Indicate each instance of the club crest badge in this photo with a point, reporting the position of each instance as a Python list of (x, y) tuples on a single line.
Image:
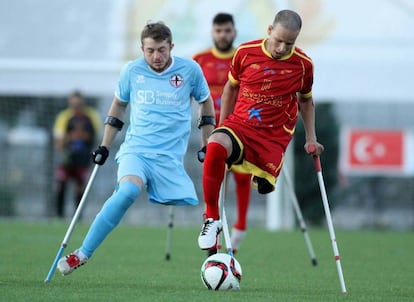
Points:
[(176, 80)]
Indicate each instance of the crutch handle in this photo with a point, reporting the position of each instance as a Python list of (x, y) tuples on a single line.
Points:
[(316, 159)]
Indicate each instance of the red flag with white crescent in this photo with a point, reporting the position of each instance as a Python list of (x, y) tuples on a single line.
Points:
[(374, 151)]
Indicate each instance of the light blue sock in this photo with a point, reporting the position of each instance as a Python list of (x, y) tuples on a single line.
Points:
[(109, 216)]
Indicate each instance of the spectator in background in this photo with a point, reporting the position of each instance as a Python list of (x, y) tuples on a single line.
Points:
[(75, 131), (215, 63)]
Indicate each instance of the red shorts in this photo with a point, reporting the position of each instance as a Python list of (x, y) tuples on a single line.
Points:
[(262, 148)]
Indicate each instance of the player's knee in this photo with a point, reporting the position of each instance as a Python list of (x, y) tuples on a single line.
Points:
[(128, 190), (227, 139)]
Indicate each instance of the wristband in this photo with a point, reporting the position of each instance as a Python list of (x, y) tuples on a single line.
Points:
[(206, 120), (114, 122)]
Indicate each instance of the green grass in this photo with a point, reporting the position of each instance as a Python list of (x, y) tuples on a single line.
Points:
[(130, 266)]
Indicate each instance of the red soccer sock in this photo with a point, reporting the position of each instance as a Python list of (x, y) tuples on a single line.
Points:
[(213, 174), (243, 186)]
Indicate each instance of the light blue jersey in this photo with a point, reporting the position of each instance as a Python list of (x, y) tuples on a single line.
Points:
[(160, 118)]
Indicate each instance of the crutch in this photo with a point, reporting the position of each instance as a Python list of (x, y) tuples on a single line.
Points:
[(299, 215), (318, 168), (169, 233), (72, 224), (223, 217)]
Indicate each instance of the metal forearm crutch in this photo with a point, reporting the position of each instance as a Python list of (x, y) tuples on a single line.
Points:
[(169, 232), (72, 224), (318, 168), (299, 215), (223, 217)]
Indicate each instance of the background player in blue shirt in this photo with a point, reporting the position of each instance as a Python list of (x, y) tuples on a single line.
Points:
[(159, 88)]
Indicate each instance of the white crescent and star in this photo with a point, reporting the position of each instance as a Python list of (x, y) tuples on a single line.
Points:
[(366, 149)]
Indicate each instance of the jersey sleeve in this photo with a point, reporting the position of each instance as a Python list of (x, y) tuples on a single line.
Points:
[(123, 89), (235, 68), (200, 91), (306, 91), (59, 128)]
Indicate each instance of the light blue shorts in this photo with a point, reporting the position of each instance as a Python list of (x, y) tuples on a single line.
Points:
[(165, 178)]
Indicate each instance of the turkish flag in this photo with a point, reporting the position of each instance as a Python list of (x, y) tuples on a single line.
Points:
[(378, 149)]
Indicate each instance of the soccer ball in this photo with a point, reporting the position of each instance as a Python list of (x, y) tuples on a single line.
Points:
[(221, 272)]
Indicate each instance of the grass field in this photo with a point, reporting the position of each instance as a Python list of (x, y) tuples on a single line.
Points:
[(130, 266)]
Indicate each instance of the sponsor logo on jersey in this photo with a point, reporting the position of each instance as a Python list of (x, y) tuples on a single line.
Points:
[(140, 78)]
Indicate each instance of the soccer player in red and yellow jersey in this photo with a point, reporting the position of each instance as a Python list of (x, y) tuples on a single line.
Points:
[(215, 63), (270, 81)]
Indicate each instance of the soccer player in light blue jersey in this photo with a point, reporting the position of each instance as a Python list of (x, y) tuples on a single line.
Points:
[(159, 88)]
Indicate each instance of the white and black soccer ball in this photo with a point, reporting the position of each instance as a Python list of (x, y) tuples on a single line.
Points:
[(221, 272)]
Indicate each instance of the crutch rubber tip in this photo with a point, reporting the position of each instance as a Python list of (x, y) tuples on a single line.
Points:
[(167, 257), (314, 262)]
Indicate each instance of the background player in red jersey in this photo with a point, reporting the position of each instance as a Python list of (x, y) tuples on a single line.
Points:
[(215, 63), (270, 81)]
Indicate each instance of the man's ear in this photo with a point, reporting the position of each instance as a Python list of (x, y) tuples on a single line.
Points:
[(269, 29)]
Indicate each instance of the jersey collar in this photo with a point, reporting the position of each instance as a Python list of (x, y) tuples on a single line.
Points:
[(270, 56), (222, 55)]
